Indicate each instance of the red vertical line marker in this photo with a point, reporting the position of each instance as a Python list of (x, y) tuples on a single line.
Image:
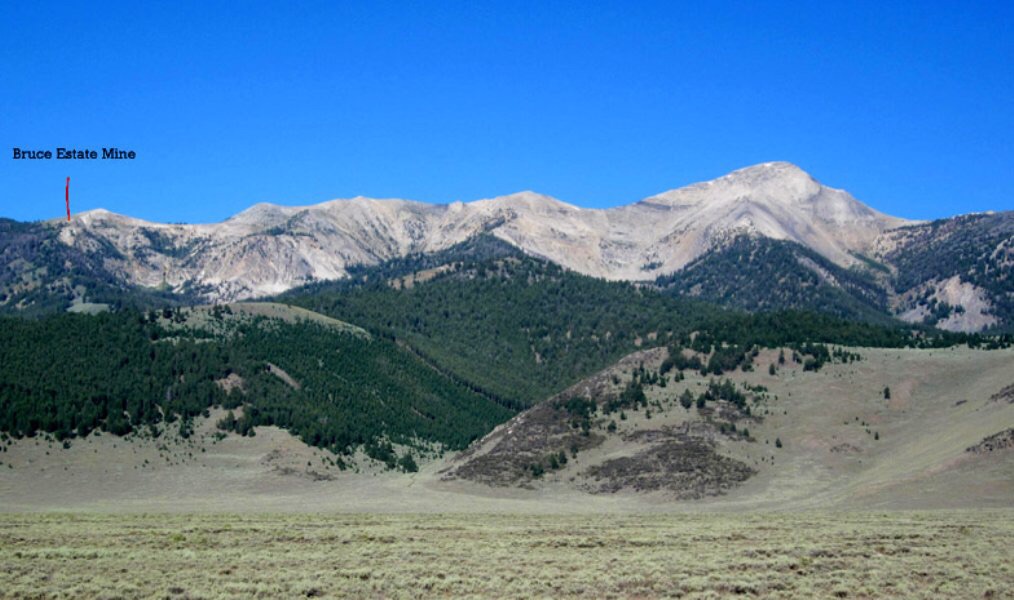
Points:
[(66, 197)]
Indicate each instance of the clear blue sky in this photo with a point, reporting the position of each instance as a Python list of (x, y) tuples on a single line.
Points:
[(908, 105)]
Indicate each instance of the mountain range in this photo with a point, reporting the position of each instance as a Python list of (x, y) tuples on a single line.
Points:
[(487, 348), (764, 237)]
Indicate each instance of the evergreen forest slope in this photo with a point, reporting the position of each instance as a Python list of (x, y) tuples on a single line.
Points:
[(137, 373), (520, 328), (761, 274)]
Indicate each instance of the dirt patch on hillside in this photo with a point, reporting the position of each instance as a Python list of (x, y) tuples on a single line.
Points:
[(281, 374), (409, 281), (231, 382)]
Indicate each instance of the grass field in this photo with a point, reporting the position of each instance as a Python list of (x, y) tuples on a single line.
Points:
[(265, 517), (944, 554)]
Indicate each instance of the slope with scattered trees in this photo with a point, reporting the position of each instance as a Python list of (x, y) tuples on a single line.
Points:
[(40, 275), (979, 249)]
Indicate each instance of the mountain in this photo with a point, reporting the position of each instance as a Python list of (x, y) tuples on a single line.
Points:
[(421, 354), (723, 241), (956, 273), (40, 275), (399, 353), (756, 273), (268, 249), (520, 328)]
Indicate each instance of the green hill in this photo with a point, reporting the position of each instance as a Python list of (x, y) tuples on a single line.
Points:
[(129, 372)]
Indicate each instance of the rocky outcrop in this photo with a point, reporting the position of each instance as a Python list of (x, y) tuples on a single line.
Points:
[(1003, 440)]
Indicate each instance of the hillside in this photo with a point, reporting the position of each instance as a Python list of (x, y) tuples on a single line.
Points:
[(425, 352), (761, 274), (327, 382), (932, 444), (521, 329), (954, 274), (957, 273), (900, 428)]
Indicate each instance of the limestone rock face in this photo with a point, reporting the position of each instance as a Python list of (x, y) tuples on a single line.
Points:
[(268, 248)]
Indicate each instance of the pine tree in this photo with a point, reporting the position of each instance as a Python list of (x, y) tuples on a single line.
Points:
[(407, 463)]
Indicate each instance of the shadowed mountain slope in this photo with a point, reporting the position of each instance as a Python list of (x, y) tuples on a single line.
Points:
[(760, 274)]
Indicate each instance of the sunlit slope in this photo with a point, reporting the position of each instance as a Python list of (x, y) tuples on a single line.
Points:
[(913, 456), (810, 439)]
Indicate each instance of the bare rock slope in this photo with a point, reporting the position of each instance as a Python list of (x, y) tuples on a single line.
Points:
[(268, 248)]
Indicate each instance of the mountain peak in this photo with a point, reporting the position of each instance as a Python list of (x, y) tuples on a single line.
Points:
[(765, 183), (97, 216), (772, 166), (527, 199), (780, 170)]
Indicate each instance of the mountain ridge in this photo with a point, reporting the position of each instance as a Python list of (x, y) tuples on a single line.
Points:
[(269, 249), (657, 235)]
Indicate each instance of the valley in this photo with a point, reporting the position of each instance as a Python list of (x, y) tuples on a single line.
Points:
[(843, 446), (755, 385)]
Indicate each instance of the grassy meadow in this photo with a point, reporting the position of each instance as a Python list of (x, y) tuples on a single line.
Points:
[(943, 554)]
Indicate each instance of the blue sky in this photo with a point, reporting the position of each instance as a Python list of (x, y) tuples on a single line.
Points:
[(909, 106)]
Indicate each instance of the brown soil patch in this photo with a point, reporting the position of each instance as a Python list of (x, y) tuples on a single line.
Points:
[(231, 382), (281, 374)]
